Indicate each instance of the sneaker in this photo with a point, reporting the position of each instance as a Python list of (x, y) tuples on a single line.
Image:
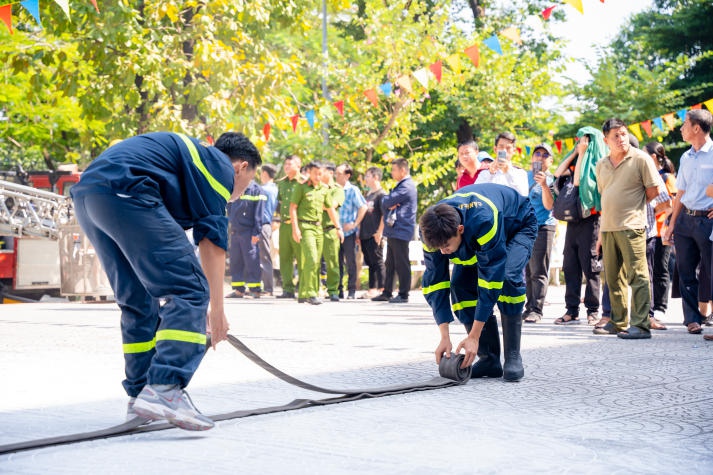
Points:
[(381, 298), (334, 298), (314, 301), (398, 299), (286, 295), (709, 320), (235, 294), (130, 414), (172, 404), (351, 295)]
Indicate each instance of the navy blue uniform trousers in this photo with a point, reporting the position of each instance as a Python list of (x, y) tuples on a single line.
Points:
[(147, 257), (245, 268)]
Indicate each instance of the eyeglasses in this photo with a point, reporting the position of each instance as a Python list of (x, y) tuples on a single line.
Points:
[(541, 154)]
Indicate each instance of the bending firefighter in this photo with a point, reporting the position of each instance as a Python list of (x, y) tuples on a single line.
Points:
[(134, 202), (487, 231)]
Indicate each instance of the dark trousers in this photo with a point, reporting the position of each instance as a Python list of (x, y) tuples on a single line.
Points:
[(265, 247), (537, 271), (374, 259), (693, 249), (661, 276), (244, 260), (397, 263), (147, 257), (650, 251), (347, 258), (579, 253)]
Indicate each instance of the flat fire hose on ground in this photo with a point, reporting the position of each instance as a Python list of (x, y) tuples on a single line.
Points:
[(451, 374)]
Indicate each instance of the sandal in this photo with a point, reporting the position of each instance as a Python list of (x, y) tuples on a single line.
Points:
[(533, 318), (657, 325), (567, 319), (592, 318), (694, 328), (708, 337), (601, 323)]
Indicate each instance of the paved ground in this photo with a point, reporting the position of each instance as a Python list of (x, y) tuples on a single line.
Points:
[(588, 404)]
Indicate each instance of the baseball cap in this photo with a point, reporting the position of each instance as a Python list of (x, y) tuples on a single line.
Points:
[(544, 146), (483, 155)]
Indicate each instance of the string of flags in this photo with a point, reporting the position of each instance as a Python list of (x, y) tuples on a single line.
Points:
[(33, 8), (646, 126)]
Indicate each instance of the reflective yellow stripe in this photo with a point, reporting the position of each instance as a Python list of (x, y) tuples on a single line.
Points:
[(489, 285), (253, 285), (253, 197), (438, 286), (508, 299), (464, 304), (483, 240), (181, 335), (215, 184), (141, 347), (472, 261), (237, 284), (428, 249)]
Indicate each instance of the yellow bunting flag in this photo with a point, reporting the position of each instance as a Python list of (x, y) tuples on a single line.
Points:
[(453, 62), (404, 83), (670, 120), (576, 4), (422, 76), (474, 54), (512, 33), (64, 5), (569, 144), (636, 130), (709, 104)]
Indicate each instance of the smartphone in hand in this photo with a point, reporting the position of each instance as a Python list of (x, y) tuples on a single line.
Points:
[(536, 167), (502, 156)]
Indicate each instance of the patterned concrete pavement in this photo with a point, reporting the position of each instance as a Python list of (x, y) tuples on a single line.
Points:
[(588, 404)]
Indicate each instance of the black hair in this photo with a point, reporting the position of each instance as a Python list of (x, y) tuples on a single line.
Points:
[(270, 169), (507, 136), (438, 225), (376, 172), (701, 117), (612, 123), (239, 148), (329, 166), (657, 149), (348, 171), (468, 143), (402, 163), (311, 165)]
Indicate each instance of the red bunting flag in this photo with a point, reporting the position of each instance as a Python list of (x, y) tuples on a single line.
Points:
[(371, 95), (697, 106), (6, 16), (266, 131), (437, 70), (558, 144), (210, 140), (474, 54), (94, 2), (646, 125), (295, 118), (547, 12), (340, 107)]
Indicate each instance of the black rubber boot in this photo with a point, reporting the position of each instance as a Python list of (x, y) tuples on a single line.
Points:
[(488, 364), (512, 329)]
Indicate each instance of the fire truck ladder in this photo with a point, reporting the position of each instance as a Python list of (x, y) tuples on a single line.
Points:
[(27, 211)]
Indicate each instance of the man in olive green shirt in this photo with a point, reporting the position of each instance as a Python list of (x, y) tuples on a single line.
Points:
[(289, 249), (627, 180), (330, 250), (309, 200)]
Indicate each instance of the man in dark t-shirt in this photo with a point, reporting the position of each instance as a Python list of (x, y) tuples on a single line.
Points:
[(370, 232)]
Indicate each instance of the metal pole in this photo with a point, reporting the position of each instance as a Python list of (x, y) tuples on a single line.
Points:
[(325, 91)]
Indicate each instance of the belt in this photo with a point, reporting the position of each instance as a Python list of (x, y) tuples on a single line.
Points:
[(316, 223), (287, 221), (330, 227), (696, 213)]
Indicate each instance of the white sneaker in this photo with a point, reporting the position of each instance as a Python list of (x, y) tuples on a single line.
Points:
[(172, 404), (130, 414)]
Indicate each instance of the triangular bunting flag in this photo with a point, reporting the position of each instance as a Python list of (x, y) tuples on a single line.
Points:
[(310, 117), (558, 144), (576, 4), (6, 17), (474, 54), (371, 95), (454, 63), (210, 140), (636, 130), (494, 44), (421, 76), (527, 150), (670, 120), (682, 114), (437, 70), (96, 7), (569, 144), (697, 106), (404, 83), (646, 125), (658, 123), (386, 88), (340, 107), (266, 131), (33, 8), (64, 5), (512, 33), (709, 104), (294, 119), (547, 12)]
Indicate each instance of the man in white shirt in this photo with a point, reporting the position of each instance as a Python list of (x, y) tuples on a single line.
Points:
[(502, 171)]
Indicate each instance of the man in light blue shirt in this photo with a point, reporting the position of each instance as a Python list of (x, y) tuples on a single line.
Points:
[(350, 215), (692, 219)]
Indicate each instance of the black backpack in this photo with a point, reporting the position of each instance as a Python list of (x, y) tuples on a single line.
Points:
[(567, 206)]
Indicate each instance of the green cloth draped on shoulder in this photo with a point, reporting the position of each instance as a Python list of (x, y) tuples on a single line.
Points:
[(588, 192)]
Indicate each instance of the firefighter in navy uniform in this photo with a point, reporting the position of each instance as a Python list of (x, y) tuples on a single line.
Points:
[(245, 215), (134, 202), (487, 231)]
